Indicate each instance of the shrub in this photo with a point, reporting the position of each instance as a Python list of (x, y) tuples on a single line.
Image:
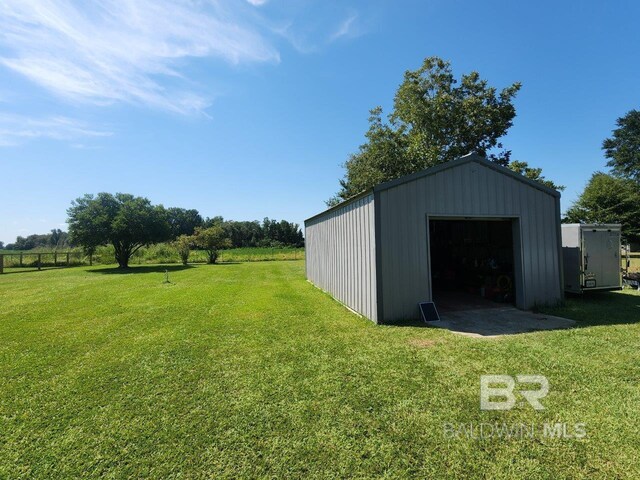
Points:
[(183, 245)]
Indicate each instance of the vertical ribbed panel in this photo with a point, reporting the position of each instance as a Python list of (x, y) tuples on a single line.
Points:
[(340, 254)]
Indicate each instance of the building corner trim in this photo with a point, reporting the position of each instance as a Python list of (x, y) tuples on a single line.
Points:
[(378, 253)]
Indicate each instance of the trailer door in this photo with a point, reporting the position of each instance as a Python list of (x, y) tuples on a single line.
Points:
[(611, 260), (601, 258)]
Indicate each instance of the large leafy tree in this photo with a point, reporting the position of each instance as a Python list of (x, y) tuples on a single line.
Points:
[(382, 157), (183, 221), (623, 148), (125, 221), (282, 233), (271, 233), (609, 199), (435, 119), (444, 119), (532, 173), (244, 234)]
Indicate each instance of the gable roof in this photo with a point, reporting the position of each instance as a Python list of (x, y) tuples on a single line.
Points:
[(469, 158)]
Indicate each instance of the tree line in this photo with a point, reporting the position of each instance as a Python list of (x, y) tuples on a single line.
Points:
[(129, 222), (57, 239)]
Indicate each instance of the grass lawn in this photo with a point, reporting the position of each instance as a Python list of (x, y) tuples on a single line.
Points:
[(247, 370)]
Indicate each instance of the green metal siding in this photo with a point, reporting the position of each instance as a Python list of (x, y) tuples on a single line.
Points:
[(340, 254), (467, 189)]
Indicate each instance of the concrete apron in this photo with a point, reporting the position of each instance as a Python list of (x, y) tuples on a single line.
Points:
[(494, 322)]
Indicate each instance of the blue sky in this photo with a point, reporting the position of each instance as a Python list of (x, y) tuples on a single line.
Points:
[(247, 109)]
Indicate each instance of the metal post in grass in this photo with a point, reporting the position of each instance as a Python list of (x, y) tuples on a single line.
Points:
[(68, 259), (39, 261), (55, 259)]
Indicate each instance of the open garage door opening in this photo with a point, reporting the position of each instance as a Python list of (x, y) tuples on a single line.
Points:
[(474, 263)]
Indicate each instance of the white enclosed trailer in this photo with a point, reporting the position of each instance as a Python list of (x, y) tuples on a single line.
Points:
[(591, 257)]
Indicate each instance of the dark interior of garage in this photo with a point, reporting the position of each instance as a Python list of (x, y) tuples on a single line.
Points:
[(472, 263)]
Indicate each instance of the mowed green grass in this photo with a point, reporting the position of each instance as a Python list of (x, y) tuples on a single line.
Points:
[(246, 370)]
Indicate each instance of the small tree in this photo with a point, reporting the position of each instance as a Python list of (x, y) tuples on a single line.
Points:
[(212, 240), (125, 221), (183, 245)]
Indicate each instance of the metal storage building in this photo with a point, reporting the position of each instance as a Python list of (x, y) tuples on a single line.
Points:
[(467, 225)]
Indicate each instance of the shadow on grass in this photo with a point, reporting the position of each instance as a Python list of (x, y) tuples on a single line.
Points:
[(140, 269), (7, 270), (406, 323), (155, 268), (204, 264), (600, 308)]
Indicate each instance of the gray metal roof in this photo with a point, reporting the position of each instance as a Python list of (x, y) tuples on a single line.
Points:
[(471, 157), (341, 204)]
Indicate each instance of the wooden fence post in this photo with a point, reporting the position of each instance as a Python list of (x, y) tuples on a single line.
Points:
[(55, 259), (39, 261), (1, 263)]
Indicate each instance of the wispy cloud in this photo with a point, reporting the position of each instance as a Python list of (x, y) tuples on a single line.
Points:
[(16, 129), (124, 50), (347, 28), (317, 25), (101, 52), (300, 41)]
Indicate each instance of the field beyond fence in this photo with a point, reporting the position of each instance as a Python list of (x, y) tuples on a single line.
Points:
[(162, 253)]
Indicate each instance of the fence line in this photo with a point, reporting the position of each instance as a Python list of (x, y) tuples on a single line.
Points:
[(39, 264)]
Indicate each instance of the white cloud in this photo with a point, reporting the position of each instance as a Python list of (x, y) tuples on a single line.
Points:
[(298, 40), (257, 3), (315, 25), (16, 129), (346, 28), (124, 50)]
